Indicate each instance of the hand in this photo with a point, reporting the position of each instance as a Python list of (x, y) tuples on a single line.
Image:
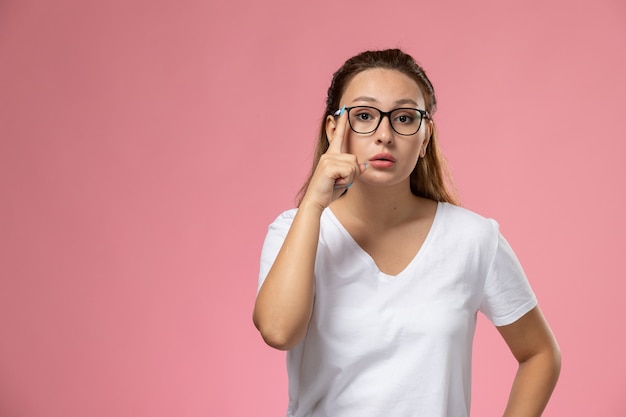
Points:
[(336, 170)]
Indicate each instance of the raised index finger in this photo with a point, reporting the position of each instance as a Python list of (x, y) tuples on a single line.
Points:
[(339, 135)]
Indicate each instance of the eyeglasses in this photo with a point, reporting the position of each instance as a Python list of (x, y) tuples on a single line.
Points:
[(366, 119)]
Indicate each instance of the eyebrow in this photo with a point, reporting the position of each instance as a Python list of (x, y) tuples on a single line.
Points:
[(398, 102)]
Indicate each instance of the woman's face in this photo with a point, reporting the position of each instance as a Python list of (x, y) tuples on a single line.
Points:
[(391, 156)]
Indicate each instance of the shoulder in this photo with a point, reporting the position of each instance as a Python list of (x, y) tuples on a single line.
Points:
[(460, 221), (286, 216), (464, 215), (281, 224)]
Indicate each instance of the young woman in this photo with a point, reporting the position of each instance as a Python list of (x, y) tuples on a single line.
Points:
[(373, 283)]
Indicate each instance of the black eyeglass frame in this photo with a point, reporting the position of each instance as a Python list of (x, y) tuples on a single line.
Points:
[(423, 114)]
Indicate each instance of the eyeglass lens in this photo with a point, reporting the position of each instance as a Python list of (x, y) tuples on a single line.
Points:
[(367, 119)]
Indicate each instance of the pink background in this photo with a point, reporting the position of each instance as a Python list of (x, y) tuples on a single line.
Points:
[(145, 146)]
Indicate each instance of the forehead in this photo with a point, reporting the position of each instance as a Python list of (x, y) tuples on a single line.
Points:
[(385, 86)]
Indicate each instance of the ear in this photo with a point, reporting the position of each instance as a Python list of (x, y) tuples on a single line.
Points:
[(331, 126), (430, 130)]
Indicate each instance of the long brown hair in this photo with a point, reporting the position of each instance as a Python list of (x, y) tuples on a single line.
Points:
[(430, 177)]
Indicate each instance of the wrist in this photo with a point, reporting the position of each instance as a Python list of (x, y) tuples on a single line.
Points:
[(312, 207)]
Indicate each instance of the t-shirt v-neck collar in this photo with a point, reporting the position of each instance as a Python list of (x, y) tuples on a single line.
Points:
[(368, 258)]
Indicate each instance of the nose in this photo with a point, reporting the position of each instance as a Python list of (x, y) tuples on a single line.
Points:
[(384, 133)]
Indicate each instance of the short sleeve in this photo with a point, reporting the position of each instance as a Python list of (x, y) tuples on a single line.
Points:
[(507, 293), (276, 233)]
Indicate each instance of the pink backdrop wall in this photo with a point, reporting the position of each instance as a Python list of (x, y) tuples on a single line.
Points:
[(145, 146)]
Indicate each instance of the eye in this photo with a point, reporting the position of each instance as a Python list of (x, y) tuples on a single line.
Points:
[(364, 116), (405, 118)]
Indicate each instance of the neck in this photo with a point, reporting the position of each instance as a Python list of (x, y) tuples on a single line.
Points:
[(384, 206)]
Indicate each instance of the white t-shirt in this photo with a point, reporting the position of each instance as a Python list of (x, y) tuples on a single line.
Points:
[(401, 346)]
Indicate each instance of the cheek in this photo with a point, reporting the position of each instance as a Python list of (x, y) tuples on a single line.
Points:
[(416, 147), (421, 144), (353, 144)]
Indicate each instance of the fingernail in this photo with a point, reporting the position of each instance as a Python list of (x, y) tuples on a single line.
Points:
[(337, 113), (348, 186), (365, 165), (343, 109)]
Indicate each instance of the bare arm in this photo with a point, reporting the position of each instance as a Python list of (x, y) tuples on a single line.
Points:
[(532, 343), (285, 301)]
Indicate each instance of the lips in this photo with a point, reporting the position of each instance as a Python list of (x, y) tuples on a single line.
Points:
[(383, 157), (382, 160)]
